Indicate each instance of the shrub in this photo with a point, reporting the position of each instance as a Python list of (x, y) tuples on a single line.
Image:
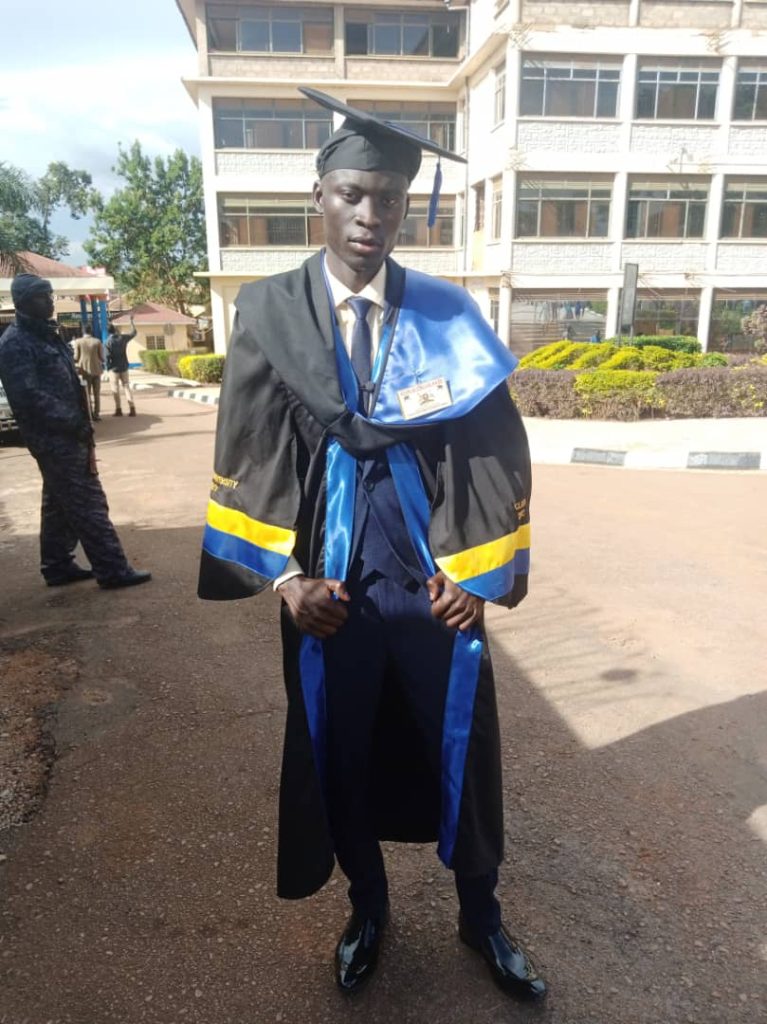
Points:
[(625, 359), (662, 359), (618, 394), (148, 360), (566, 356), (674, 342), (596, 355), (205, 369), (533, 359), (160, 361), (540, 393), (714, 359), (715, 391)]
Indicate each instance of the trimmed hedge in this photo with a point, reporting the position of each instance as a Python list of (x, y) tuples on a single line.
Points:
[(160, 361), (674, 342), (557, 356), (540, 393), (207, 369), (598, 353), (715, 391), (584, 355), (618, 394), (701, 392)]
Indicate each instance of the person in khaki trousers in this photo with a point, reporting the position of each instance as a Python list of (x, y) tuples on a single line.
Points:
[(89, 360), (117, 364)]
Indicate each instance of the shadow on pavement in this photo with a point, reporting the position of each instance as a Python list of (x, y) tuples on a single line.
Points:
[(144, 888)]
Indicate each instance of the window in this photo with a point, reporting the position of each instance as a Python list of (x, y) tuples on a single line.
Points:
[(728, 313), (274, 28), (676, 93), (660, 210), (557, 88), (540, 317), (750, 95), (415, 230), (497, 212), (403, 34), (744, 214), (659, 313), (495, 307), (479, 206), (563, 209), (155, 342), (250, 221), (435, 121), (270, 124), (499, 108)]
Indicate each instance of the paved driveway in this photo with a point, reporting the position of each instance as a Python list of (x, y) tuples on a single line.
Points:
[(633, 699)]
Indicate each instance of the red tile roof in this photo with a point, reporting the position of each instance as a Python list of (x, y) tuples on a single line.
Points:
[(153, 313), (46, 267)]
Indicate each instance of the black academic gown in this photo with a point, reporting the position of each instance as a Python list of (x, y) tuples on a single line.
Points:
[(280, 403)]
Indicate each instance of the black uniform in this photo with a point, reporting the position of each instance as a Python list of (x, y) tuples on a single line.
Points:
[(38, 372)]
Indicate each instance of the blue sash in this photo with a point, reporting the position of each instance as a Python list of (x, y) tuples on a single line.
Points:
[(415, 351)]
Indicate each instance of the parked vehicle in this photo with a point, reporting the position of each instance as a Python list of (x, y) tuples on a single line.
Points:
[(7, 421)]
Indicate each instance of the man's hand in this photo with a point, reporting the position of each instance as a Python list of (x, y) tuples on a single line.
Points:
[(457, 608), (312, 605)]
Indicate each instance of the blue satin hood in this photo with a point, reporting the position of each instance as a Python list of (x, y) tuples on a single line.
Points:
[(439, 332)]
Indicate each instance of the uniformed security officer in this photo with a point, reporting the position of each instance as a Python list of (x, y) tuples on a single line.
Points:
[(48, 401)]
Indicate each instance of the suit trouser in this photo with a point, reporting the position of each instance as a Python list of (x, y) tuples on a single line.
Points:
[(93, 382), (389, 626), (121, 379), (74, 508)]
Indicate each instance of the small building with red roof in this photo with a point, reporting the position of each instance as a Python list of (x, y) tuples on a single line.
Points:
[(157, 328)]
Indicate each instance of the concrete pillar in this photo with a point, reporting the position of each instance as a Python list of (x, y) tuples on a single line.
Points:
[(504, 310), (618, 218), (218, 315), (339, 41), (714, 220), (611, 321), (704, 315)]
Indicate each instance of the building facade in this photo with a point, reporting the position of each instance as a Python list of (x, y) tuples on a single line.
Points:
[(598, 134)]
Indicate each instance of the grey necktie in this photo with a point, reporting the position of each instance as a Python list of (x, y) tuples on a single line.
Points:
[(362, 346)]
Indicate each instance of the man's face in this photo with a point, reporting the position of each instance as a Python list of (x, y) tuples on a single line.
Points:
[(39, 305), (363, 212)]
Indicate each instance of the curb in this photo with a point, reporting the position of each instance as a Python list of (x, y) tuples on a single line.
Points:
[(194, 396), (669, 458)]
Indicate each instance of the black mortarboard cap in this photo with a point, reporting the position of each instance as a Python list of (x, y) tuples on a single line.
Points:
[(365, 142)]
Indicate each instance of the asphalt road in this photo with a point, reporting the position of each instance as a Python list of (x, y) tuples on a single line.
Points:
[(633, 702)]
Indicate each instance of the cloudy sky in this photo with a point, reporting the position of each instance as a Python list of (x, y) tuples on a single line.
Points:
[(79, 77)]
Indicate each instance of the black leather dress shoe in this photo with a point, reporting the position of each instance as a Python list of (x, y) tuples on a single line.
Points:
[(128, 579), (74, 574), (510, 967), (357, 950)]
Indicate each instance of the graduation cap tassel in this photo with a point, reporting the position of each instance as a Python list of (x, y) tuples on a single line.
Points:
[(434, 198)]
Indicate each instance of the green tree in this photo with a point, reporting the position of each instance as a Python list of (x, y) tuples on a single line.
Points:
[(755, 325), (26, 208), (151, 233), (62, 186)]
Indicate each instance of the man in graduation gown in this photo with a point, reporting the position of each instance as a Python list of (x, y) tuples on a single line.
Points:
[(371, 466)]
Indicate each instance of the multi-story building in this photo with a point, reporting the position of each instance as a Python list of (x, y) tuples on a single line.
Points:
[(599, 133)]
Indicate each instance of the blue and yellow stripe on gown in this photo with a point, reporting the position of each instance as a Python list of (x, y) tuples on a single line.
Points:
[(232, 536)]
